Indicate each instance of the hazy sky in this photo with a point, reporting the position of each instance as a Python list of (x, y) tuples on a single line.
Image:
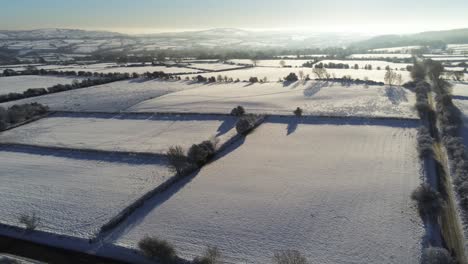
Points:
[(144, 16)]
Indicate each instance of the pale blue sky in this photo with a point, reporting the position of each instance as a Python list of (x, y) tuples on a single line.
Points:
[(138, 16)]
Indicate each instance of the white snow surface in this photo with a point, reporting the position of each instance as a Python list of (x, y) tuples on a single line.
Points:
[(315, 98), (337, 192), (374, 63), (380, 56), (143, 69), (272, 63), (129, 133), (111, 97), (460, 89), (213, 66), (274, 74), (19, 84), (72, 193)]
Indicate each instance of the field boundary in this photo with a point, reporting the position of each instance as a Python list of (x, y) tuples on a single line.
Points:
[(413, 119), (60, 151), (106, 229)]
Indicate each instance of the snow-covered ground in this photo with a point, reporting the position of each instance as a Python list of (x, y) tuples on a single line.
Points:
[(111, 97), (446, 57), (338, 192), (460, 89), (144, 69), (72, 193), (129, 133), (19, 84), (380, 56), (374, 63), (271, 63), (458, 48), (404, 49), (315, 98), (273, 74), (213, 66)]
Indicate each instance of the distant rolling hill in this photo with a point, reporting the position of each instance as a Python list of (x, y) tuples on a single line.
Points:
[(430, 38)]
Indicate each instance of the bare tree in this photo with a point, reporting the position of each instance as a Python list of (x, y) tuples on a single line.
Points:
[(301, 75), (282, 63), (399, 80), (254, 61), (390, 77), (320, 73), (289, 257)]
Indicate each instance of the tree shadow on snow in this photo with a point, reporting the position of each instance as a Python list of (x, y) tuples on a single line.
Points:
[(135, 218), (226, 126), (314, 88), (396, 95), (292, 126)]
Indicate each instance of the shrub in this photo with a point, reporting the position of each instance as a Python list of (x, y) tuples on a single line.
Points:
[(212, 255), (292, 77), (20, 113), (436, 255), (158, 249), (429, 201), (289, 257), (253, 80), (200, 154), (238, 111), (201, 79), (31, 222), (245, 124), (298, 112), (422, 108), (425, 142), (418, 71), (34, 92), (178, 162)]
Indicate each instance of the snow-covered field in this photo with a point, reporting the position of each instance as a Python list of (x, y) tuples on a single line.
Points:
[(446, 57), (271, 63), (72, 193), (458, 48), (19, 84), (273, 74), (460, 89), (404, 49), (380, 56), (144, 69), (129, 133), (112, 97), (338, 192), (213, 66), (374, 63), (315, 98)]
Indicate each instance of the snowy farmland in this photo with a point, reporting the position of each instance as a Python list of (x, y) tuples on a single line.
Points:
[(128, 133), (271, 63), (375, 63), (338, 192), (274, 74), (19, 84), (213, 66), (73, 193), (111, 97), (380, 56), (143, 69), (316, 98)]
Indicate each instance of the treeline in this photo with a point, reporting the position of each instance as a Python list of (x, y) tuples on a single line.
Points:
[(20, 113), (222, 54), (429, 200), (33, 92), (332, 65), (92, 80)]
